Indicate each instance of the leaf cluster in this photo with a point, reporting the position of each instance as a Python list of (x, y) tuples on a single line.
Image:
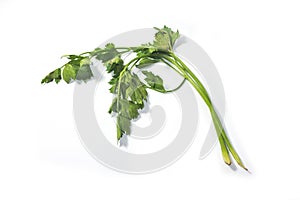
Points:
[(77, 68)]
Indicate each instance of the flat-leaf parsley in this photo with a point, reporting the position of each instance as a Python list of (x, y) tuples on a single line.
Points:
[(130, 92)]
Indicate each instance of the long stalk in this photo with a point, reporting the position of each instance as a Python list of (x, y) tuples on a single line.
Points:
[(224, 141)]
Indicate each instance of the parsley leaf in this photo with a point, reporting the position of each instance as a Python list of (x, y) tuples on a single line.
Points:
[(54, 75), (106, 54), (84, 72), (130, 97), (115, 65), (68, 73), (78, 68), (154, 81), (147, 61), (165, 38)]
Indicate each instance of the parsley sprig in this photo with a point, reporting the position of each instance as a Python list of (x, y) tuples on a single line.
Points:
[(130, 92)]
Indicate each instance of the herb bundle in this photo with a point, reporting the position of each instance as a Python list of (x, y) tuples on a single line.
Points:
[(130, 92)]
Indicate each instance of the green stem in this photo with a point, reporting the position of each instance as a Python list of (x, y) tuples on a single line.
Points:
[(167, 63), (229, 145), (218, 128), (190, 78), (168, 91), (135, 60), (179, 86), (191, 73), (195, 82)]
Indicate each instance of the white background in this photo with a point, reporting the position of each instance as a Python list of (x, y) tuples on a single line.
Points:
[(255, 46)]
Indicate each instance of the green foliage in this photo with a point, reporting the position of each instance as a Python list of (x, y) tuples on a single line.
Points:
[(145, 62), (130, 96), (154, 81), (106, 54), (165, 38), (84, 72), (69, 73), (54, 75), (115, 65), (78, 68), (130, 93)]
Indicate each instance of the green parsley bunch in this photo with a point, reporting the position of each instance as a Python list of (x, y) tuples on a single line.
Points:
[(130, 92)]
